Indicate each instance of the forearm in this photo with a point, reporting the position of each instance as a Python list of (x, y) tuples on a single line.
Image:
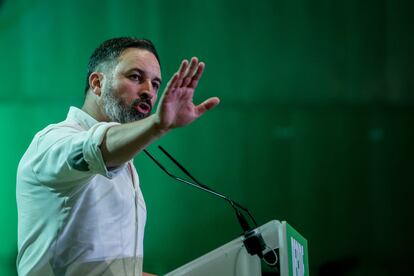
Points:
[(122, 142)]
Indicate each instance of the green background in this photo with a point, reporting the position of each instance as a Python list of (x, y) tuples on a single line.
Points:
[(315, 126)]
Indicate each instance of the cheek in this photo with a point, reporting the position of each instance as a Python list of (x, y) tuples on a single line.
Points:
[(126, 93), (154, 100)]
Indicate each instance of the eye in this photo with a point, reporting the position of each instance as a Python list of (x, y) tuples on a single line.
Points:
[(155, 85), (135, 77)]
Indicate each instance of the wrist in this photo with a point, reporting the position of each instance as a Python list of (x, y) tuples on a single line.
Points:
[(159, 128)]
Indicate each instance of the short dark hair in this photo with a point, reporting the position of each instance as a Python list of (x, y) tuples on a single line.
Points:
[(112, 48)]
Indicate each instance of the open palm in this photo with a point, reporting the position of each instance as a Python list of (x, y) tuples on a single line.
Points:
[(176, 107)]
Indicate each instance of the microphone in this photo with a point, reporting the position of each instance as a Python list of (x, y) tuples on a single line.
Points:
[(253, 239)]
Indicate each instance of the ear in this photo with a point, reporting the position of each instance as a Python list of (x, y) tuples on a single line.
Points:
[(95, 83)]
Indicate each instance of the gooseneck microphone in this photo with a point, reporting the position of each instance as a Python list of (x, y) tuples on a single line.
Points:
[(253, 239)]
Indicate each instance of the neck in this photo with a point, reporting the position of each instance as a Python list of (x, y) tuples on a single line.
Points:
[(92, 107)]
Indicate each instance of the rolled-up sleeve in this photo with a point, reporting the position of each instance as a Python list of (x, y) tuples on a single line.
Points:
[(67, 155), (92, 151)]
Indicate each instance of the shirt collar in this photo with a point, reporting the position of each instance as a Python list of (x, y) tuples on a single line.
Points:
[(85, 120)]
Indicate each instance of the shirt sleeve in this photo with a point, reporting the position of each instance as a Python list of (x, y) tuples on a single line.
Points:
[(68, 156)]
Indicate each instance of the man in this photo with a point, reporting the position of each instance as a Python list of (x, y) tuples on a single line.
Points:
[(80, 208)]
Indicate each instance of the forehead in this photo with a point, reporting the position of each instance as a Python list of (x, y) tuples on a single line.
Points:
[(138, 58)]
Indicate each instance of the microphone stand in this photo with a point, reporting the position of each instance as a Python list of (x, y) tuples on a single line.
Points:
[(253, 239)]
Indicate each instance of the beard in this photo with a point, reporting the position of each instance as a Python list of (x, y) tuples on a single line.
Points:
[(117, 111)]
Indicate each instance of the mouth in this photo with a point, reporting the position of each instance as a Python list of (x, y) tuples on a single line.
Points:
[(143, 107)]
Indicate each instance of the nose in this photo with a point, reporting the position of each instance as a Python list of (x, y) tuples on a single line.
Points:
[(147, 89)]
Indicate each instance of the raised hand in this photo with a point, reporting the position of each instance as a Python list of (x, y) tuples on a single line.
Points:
[(176, 107)]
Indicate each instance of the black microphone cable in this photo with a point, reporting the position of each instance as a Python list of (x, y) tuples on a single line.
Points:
[(253, 239)]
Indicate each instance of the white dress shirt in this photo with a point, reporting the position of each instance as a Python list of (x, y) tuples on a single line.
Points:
[(75, 215)]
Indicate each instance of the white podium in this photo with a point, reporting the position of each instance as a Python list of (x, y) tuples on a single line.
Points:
[(233, 259)]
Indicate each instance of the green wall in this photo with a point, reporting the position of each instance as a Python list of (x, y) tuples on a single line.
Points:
[(315, 125)]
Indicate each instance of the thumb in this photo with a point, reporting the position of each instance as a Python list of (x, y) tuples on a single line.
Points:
[(207, 105)]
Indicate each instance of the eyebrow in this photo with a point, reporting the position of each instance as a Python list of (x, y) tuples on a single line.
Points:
[(142, 72)]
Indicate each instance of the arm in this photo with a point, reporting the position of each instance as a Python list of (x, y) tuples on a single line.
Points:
[(176, 109)]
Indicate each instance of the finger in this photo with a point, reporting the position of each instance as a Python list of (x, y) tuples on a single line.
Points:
[(171, 83), (183, 67), (207, 105), (193, 67), (186, 81), (190, 71), (197, 76), (169, 89), (181, 72)]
